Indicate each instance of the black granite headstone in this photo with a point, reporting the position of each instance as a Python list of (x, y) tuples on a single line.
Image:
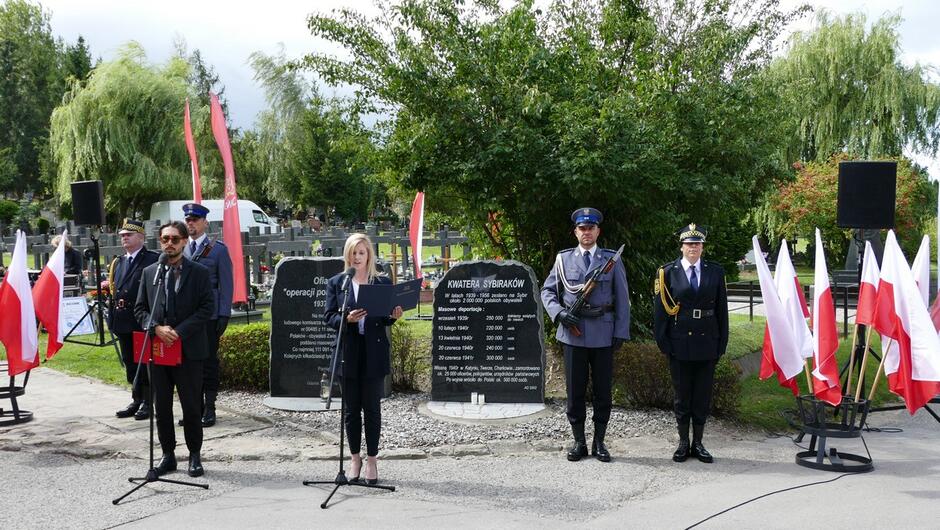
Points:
[(301, 343), (487, 334)]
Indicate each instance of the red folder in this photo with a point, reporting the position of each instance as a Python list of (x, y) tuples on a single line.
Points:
[(163, 355)]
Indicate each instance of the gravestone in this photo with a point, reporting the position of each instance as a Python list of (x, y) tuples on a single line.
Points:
[(301, 342), (487, 334)]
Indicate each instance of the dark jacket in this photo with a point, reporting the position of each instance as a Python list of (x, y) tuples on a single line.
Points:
[(377, 351), (194, 307), (214, 256), (684, 336), (74, 263), (124, 288)]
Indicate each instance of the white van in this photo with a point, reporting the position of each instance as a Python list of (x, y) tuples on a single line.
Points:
[(249, 213)]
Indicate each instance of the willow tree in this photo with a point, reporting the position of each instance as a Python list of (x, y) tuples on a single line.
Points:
[(847, 90), (124, 127)]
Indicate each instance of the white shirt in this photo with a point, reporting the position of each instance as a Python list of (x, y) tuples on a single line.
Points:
[(687, 267), (132, 255), (199, 241), (362, 322), (592, 250)]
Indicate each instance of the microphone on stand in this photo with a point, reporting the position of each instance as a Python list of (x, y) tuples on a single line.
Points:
[(161, 267), (350, 272)]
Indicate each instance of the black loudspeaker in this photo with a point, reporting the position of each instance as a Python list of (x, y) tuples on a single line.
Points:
[(88, 203), (866, 194)]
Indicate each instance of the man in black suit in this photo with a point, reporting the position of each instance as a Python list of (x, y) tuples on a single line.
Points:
[(186, 306), (690, 316), (124, 282)]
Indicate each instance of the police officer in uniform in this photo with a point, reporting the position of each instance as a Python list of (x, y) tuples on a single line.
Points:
[(214, 256), (124, 282), (691, 327), (590, 338)]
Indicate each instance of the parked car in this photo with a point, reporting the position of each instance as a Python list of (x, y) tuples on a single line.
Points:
[(249, 213)]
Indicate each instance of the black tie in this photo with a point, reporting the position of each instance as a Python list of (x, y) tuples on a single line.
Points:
[(192, 249), (171, 279), (693, 279), (587, 259)]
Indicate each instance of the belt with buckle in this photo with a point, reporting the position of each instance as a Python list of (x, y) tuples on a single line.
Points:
[(697, 314)]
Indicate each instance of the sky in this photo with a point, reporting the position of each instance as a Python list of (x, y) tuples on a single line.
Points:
[(227, 32)]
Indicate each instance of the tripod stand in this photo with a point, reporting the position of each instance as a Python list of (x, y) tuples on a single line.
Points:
[(97, 306), (145, 350), (339, 359)]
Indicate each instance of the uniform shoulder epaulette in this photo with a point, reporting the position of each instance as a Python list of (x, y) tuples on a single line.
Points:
[(566, 250), (218, 242), (667, 266)]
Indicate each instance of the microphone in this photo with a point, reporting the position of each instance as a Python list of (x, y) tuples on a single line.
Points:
[(350, 272), (161, 266)]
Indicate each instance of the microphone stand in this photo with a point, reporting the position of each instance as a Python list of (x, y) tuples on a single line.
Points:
[(339, 359), (152, 470)]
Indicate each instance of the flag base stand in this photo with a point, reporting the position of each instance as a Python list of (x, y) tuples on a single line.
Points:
[(823, 421)]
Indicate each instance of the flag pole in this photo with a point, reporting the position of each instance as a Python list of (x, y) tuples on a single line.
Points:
[(874, 384), (861, 373), (809, 379), (848, 382)]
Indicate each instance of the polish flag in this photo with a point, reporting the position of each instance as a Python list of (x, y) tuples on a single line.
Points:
[(416, 231), (47, 297), (867, 288), (18, 323), (921, 269), (781, 351), (913, 369), (826, 384), (193, 161), (791, 294)]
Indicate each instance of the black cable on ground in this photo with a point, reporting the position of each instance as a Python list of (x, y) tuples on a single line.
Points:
[(712, 516)]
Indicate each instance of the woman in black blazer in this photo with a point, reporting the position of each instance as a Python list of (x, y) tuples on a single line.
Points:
[(366, 354)]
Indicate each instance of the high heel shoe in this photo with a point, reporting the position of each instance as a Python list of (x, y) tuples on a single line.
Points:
[(352, 465), (372, 463)]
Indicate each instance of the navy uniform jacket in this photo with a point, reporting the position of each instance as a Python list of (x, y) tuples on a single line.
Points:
[(611, 289), (124, 288), (377, 354), (195, 306), (216, 259), (683, 336)]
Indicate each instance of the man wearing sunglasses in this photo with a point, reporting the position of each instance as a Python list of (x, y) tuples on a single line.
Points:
[(214, 256), (187, 305)]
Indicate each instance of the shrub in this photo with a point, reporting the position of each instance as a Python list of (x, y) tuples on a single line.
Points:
[(244, 357), (42, 225), (410, 357), (642, 380), (8, 211)]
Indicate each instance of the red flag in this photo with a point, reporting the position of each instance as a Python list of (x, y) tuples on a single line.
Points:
[(826, 384), (416, 231), (47, 297), (781, 351), (231, 225), (18, 323), (913, 369), (193, 161), (867, 288)]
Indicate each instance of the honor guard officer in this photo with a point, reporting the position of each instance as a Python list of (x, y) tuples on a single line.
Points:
[(589, 336), (214, 256), (124, 282), (690, 316)]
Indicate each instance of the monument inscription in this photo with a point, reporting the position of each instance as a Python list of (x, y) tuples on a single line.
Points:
[(487, 334)]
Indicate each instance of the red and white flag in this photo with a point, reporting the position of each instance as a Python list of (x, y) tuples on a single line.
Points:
[(231, 225), (921, 269), (193, 161), (867, 288), (913, 369), (791, 294), (826, 384), (47, 297), (416, 231), (781, 351), (18, 322)]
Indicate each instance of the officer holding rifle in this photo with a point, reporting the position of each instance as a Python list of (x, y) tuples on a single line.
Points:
[(586, 295)]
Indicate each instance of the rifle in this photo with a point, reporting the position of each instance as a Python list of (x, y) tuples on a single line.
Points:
[(589, 286)]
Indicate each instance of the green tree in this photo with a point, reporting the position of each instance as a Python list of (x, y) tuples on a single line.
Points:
[(846, 90), (509, 119), (30, 86), (124, 127), (77, 60)]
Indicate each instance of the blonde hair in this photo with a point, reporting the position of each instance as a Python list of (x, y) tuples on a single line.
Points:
[(350, 246), (57, 239)]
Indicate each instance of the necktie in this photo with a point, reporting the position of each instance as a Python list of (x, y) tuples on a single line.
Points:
[(587, 259), (171, 295), (192, 249), (693, 279)]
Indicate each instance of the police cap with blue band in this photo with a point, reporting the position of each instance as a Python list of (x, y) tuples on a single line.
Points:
[(587, 216), (192, 209)]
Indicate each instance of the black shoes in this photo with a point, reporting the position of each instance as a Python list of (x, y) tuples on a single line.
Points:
[(195, 466), (167, 464), (208, 419), (598, 449), (129, 410), (682, 452), (699, 451), (579, 450), (143, 412)]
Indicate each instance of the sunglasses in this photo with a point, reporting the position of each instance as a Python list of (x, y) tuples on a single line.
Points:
[(171, 239)]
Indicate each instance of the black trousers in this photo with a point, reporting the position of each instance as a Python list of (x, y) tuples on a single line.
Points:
[(598, 363), (126, 341), (210, 367), (187, 380), (692, 382), (363, 397)]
